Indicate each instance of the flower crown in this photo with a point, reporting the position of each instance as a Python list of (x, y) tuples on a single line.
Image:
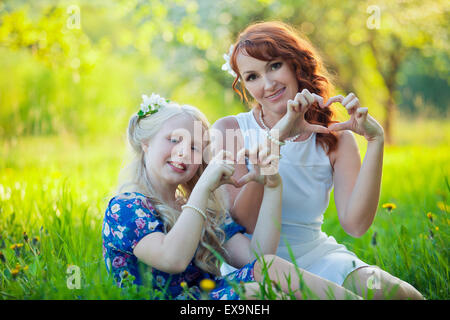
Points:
[(151, 104), (226, 66)]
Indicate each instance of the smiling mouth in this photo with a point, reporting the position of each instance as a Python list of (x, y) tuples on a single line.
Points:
[(276, 94), (177, 165)]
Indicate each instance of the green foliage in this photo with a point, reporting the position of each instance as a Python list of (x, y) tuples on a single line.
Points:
[(65, 65), (56, 190)]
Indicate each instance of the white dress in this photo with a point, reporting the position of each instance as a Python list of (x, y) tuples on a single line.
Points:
[(307, 181)]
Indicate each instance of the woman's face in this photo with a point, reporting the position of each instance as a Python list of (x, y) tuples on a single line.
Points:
[(271, 83), (174, 154)]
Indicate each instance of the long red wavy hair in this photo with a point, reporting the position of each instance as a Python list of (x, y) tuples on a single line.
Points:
[(269, 40)]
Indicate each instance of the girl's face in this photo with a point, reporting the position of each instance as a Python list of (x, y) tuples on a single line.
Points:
[(174, 154), (271, 83)]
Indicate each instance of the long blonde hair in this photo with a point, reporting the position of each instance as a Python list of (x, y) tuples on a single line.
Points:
[(134, 178)]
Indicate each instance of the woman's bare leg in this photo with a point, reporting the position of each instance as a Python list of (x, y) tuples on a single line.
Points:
[(381, 284), (279, 270)]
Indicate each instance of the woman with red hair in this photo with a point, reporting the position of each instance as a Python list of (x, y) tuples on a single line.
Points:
[(285, 76)]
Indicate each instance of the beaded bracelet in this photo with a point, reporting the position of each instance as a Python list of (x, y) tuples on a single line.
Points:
[(195, 209), (280, 143)]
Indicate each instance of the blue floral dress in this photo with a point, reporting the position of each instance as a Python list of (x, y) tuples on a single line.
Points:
[(130, 217)]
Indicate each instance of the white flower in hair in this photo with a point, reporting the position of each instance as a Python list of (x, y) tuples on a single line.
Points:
[(151, 104), (227, 66)]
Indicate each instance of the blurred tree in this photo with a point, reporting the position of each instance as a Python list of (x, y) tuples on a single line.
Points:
[(363, 43), (406, 27), (89, 57)]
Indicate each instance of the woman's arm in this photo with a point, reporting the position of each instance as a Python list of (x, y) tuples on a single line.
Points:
[(356, 186), (245, 202)]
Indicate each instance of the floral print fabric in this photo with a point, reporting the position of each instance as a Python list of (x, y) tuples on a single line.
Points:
[(130, 217)]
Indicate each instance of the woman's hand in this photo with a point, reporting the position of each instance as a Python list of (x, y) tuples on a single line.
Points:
[(264, 166), (218, 172), (293, 122), (360, 121)]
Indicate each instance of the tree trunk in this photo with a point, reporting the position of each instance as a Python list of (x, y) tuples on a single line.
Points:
[(389, 118), (388, 64)]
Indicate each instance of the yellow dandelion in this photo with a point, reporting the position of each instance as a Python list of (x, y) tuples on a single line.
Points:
[(15, 272), (13, 246), (17, 266), (429, 215), (184, 284), (25, 268), (442, 206), (437, 228), (19, 245), (389, 206), (207, 285)]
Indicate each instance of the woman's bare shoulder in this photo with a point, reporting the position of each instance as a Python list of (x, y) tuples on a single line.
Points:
[(228, 122), (346, 145)]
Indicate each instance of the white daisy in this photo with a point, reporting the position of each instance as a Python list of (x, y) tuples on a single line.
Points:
[(227, 66), (152, 102)]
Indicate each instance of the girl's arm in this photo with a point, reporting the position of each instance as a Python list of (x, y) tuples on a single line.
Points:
[(172, 252), (266, 237), (244, 202)]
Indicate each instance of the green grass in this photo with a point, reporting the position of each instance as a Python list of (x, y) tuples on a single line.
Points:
[(57, 188)]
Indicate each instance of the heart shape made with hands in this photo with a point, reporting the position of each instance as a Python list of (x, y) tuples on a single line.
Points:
[(357, 114), (302, 102), (263, 165)]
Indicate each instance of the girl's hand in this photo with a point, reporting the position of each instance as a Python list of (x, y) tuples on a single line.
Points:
[(360, 121), (294, 121), (218, 172), (264, 166)]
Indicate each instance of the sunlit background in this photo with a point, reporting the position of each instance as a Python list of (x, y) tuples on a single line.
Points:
[(73, 72)]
